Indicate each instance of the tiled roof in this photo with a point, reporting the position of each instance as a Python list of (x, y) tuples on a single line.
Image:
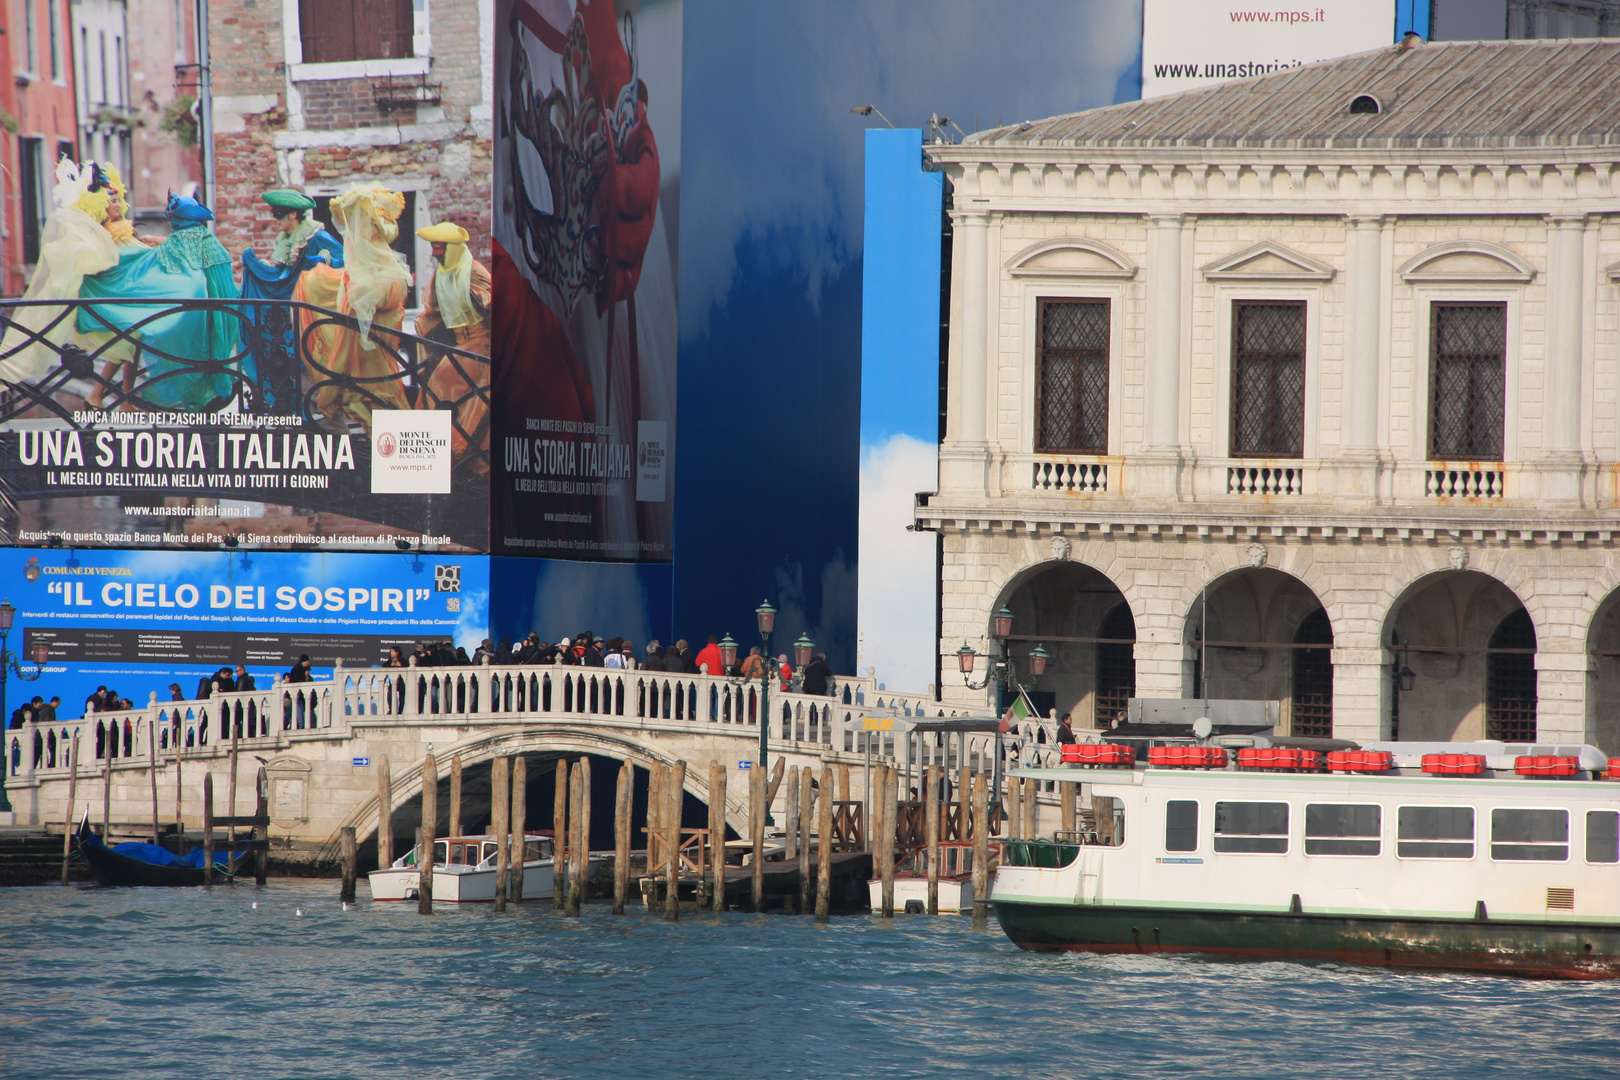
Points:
[(1459, 95)]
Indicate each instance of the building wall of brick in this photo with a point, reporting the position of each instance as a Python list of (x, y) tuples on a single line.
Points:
[(321, 135)]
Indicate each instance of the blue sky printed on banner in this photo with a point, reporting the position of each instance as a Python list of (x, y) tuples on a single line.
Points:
[(772, 206)]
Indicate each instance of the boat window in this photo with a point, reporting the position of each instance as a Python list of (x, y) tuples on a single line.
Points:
[(1181, 825), (440, 852), (1603, 836), (1343, 829), (1252, 827), (1435, 832), (531, 850), (458, 854), (1530, 835), (489, 850)]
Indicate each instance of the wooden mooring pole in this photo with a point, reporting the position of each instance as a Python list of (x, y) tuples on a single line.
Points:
[(385, 814), (426, 835), (67, 831), (981, 847), (756, 829), (935, 774), (806, 888), (791, 855), (208, 828), (582, 838), (455, 795), (520, 824), (152, 762), (887, 790), (261, 831), (824, 846), (717, 832), (351, 857), (559, 838), (1067, 793), (571, 897), (621, 837), (500, 787), (672, 888)]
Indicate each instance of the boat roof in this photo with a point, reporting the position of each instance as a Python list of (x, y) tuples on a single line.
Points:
[(1308, 781), (971, 725)]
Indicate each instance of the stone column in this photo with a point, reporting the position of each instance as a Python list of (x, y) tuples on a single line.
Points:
[(963, 450), (1566, 289), (1361, 688), (1561, 684), (1164, 311), (1366, 284)]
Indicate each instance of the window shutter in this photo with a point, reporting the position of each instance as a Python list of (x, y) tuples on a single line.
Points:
[(326, 28)]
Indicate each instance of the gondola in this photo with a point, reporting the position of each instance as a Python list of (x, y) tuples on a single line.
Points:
[(145, 864)]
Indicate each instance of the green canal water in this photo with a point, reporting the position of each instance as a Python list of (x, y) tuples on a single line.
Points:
[(284, 982)]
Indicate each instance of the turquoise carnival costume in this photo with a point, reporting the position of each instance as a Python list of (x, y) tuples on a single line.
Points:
[(296, 250), (189, 265)]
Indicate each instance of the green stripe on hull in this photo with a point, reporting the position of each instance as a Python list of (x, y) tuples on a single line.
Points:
[(1539, 950)]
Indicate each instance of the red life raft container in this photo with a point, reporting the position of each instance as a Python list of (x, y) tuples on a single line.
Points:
[(1095, 754), (1454, 764), (1279, 758), (1546, 765), (1360, 761), (1614, 768), (1187, 757)]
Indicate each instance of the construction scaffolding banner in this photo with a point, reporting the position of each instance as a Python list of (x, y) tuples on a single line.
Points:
[(141, 621), (587, 194), (161, 391)]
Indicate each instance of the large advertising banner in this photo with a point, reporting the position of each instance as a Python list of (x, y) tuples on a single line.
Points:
[(148, 400), (138, 621), (1191, 43), (587, 165)]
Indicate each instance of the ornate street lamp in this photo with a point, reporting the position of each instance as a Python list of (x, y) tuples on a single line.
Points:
[(728, 655), (1003, 623), (765, 614), (803, 651), (1037, 661)]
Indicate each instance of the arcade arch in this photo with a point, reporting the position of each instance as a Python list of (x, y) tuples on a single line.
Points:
[(1085, 624), (1268, 637), (1603, 676), (1464, 661)]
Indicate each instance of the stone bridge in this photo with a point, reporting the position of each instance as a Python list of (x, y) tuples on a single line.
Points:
[(322, 743)]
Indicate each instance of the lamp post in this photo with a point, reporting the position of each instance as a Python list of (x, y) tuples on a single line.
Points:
[(765, 614), (1001, 671), (1401, 678), (10, 666)]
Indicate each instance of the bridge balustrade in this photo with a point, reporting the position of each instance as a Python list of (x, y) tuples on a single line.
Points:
[(276, 719)]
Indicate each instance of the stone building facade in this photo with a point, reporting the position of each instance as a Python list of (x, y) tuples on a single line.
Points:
[(1306, 388), (319, 95)]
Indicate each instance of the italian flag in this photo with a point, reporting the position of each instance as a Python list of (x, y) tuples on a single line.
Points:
[(1020, 709)]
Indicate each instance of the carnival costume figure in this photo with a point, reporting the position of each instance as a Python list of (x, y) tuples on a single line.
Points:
[(300, 245), (75, 242), (351, 376), (455, 311), (187, 353)]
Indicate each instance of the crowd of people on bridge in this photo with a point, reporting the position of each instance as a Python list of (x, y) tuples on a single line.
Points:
[(586, 649)]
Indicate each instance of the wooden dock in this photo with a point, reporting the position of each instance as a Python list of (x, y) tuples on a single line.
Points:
[(850, 873)]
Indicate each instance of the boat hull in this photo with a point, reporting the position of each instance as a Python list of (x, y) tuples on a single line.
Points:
[(1551, 950), (471, 887), (112, 869), (955, 897)]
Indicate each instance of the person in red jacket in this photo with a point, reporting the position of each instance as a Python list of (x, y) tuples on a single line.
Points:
[(710, 655)]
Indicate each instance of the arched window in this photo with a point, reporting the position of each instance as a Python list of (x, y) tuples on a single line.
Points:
[(1364, 103), (1313, 678), (1510, 680), (1116, 665)]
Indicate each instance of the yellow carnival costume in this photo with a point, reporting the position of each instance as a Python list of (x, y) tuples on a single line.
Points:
[(372, 287)]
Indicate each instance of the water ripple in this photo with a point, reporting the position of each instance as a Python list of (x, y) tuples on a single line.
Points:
[(282, 981)]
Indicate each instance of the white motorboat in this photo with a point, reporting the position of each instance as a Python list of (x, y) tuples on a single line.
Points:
[(955, 878), (464, 871)]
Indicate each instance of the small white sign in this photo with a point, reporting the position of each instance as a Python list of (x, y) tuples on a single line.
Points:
[(410, 452), (652, 453)]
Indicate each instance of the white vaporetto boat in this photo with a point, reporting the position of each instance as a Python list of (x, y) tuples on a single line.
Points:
[(1472, 857), (464, 871)]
